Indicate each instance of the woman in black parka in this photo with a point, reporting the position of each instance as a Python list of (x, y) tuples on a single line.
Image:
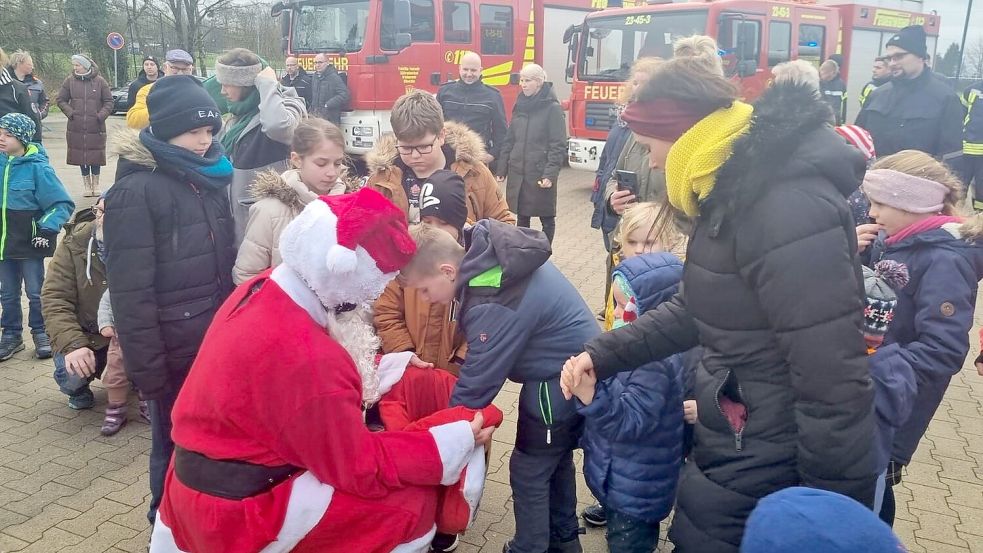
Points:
[(772, 291), (533, 152)]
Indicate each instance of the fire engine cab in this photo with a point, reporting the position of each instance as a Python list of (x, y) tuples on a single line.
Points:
[(753, 36), (383, 48)]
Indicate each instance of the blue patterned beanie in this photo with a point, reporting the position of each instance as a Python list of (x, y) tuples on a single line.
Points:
[(18, 125)]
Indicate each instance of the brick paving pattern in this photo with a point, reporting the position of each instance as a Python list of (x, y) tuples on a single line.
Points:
[(63, 487)]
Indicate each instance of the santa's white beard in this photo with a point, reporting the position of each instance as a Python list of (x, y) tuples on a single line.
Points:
[(360, 341)]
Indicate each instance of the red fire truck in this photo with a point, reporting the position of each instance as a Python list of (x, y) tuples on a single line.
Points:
[(385, 47), (753, 36)]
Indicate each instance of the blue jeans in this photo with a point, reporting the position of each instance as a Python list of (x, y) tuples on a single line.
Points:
[(72, 385), (161, 448), (627, 534), (12, 272)]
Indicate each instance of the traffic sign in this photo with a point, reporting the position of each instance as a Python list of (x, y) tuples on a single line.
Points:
[(115, 41)]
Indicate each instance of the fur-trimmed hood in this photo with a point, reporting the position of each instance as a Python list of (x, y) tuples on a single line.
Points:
[(789, 137), (287, 188), (465, 143), (127, 145)]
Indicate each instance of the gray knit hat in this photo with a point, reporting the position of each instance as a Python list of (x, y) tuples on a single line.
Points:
[(880, 286)]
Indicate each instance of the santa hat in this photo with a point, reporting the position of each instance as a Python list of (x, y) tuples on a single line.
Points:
[(348, 247), (880, 286), (859, 138)]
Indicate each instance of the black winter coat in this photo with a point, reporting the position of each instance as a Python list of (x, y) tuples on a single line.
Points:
[(301, 83), (772, 291), (329, 95), (479, 107), (923, 114), (16, 98), (169, 247), (138, 83), (534, 149)]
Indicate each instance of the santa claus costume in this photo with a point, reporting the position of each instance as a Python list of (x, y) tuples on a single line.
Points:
[(272, 451)]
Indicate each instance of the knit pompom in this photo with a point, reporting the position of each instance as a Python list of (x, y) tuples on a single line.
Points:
[(341, 260), (894, 273)]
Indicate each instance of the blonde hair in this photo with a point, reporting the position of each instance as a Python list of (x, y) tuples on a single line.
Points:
[(3, 59), (701, 48), (660, 221), (434, 247), (534, 71), (415, 114), (920, 164), (19, 57), (647, 66), (797, 72)]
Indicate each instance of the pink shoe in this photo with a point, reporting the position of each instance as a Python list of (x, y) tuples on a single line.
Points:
[(115, 419)]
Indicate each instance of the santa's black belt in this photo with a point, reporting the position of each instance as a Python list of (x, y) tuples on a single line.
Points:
[(227, 479)]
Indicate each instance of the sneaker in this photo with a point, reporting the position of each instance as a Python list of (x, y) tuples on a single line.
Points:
[(444, 543), (42, 345), (115, 419), (507, 548), (144, 411), (9, 345), (82, 400), (595, 515)]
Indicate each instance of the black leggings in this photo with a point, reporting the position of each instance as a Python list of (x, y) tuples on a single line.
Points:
[(86, 169), (549, 225), (887, 506)]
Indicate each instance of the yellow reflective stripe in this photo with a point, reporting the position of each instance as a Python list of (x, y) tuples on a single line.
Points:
[(973, 149)]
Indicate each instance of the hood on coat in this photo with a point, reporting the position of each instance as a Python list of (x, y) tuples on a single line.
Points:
[(34, 153), (92, 74), (77, 222), (519, 251), (789, 137), (541, 99), (654, 277), (286, 187), (960, 237), (466, 144), (127, 146)]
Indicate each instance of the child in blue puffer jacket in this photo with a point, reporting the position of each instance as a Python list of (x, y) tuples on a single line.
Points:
[(633, 434), (35, 206)]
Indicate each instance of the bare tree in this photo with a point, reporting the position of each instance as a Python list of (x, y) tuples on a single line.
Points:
[(973, 59)]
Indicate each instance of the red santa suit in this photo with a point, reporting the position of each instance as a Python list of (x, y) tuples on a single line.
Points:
[(273, 387)]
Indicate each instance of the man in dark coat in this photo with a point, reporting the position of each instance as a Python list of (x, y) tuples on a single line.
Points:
[(973, 142), (772, 290), (298, 79), (148, 75), (915, 111), (833, 89), (169, 250), (879, 76), (475, 104), (329, 93)]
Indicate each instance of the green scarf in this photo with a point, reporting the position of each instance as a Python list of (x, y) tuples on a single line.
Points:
[(242, 112)]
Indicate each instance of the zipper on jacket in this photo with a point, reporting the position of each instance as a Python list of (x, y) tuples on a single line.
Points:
[(547, 411), (738, 434)]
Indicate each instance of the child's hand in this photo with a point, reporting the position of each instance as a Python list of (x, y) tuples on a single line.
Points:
[(979, 364), (108, 331), (573, 371), (269, 74), (419, 363), (689, 411), (866, 235), (482, 436), (585, 390)]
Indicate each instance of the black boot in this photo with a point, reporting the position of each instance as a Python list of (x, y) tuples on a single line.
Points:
[(42, 345), (9, 345), (595, 515)]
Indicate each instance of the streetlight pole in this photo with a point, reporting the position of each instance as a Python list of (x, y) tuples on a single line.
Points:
[(962, 46)]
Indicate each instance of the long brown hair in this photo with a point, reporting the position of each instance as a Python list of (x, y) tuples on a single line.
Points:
[(689, 80)]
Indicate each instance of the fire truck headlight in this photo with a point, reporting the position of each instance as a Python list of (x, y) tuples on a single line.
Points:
[(573, 146)]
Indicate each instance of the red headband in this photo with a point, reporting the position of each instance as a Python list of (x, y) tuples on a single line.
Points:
[(662, 118)]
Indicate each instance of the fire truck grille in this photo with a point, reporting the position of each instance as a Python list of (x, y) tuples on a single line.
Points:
[(600, 116)]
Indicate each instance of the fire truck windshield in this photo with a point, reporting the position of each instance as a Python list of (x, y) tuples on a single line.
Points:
[(329, 26), (612, 44)]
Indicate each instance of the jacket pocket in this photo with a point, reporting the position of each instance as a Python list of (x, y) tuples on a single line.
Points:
[(186, 310), (725, 410)]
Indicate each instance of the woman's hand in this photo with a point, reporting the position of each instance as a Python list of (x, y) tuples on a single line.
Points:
[(620, 200), (108, 331), (690, 414), (585, 390), (573, 371), (866, 235), (482, 436), (545, 183)]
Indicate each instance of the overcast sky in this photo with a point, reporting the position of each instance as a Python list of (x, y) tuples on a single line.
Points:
[(953, 13)]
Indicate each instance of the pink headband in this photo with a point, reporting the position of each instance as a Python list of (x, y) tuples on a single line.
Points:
[(903, 191)]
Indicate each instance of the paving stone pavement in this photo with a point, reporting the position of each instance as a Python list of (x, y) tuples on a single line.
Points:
[(63, 487)]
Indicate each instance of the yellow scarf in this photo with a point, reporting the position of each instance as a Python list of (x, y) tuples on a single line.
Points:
[(693, 161)]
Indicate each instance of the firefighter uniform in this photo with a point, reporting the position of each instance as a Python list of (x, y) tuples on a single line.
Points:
[(973, 142), (834, 94), (923, 114), (868, 88)]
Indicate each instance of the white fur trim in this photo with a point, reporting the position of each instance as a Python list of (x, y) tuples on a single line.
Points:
[(419, 545), (392, 367), (237, 75), (300, 293), (455, 443), (162, 538), (474, 481), (309, 500), (341, 260)]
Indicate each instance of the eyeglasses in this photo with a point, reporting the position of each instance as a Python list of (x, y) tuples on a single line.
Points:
[(422, 149), (897, 57)]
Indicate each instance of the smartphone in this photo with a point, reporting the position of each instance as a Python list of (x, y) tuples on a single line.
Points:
[(627, 180)]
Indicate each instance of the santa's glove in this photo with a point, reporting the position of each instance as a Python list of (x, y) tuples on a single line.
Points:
[(43, 240)]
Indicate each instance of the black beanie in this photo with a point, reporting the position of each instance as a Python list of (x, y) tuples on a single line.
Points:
[(443, 196), (912, 40), (178, 104)]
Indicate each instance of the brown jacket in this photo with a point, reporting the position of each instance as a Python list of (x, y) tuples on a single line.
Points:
[(484, 199), (279, 198), (73, 286), (403, 320), (87, 102)]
